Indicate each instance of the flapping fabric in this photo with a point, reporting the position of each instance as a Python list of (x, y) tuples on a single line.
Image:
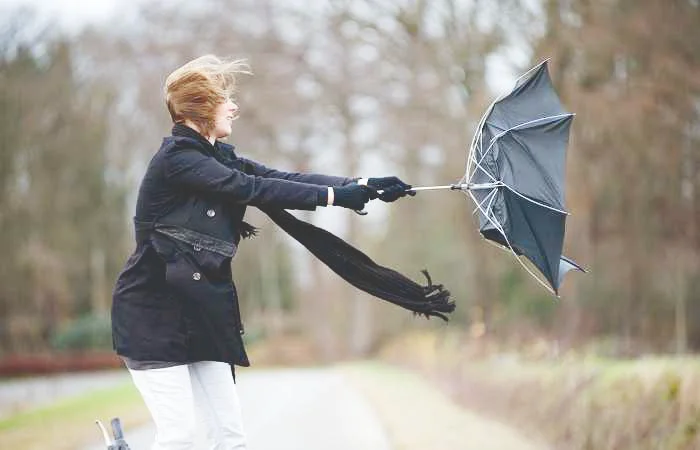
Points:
[(532, 160), (537, 233), (532, 98), (566, 265), (359, 270)]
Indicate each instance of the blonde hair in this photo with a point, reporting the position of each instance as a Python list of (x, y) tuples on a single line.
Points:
[(193, 91)]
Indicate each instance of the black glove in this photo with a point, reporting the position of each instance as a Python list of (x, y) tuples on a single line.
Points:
[(351, 196), (393, 188)]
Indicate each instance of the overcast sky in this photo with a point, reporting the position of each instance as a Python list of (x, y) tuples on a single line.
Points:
[(71, 14)]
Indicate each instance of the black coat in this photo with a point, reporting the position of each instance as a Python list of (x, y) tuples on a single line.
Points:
[(175, 299)]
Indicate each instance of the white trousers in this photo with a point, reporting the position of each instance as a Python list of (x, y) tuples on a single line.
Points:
[(174, 393)]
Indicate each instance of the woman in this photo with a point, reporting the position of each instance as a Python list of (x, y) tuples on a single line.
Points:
[(175, 315)]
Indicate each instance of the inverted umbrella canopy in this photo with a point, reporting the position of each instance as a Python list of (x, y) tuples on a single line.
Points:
[(515, 174)]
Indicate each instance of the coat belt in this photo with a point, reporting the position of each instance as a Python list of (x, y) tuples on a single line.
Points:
[(199, 241)]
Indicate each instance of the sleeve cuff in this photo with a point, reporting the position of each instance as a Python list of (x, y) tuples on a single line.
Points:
[(326, 197), (322, 197), (331, 196)]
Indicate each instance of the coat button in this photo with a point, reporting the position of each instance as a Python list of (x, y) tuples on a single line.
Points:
[(196, 276), (211, 212)]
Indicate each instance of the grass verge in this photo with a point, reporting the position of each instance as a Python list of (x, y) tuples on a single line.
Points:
[(574, 402), (418, 416), (70, 423)]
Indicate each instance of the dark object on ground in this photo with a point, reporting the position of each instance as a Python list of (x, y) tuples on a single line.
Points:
[(118, 443)]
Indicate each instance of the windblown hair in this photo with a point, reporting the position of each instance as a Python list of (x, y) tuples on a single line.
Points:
[(193, 91)]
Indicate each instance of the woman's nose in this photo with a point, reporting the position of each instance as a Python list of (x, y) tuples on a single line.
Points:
[(233, 107)]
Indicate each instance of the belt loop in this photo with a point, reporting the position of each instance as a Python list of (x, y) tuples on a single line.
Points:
[(142, 230)]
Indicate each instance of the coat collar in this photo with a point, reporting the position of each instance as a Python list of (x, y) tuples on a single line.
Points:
[(219, 149), (182, 130)]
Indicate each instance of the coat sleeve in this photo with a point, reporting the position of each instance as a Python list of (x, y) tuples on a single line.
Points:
[(310, 178), (189, 169)]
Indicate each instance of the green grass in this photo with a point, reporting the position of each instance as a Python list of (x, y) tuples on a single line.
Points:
[(69, 423)]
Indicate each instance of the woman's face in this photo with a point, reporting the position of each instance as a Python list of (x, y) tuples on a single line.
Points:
[(225, 114)]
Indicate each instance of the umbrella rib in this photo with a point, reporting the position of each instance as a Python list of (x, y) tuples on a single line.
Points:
[(533, 69), (544, 205), (503, 133), (478, 163), (496, 224), (499, 227), (516, 127), (538, 241), (478, 134), (488, 197), (535, 163), (527, 124), (544, 174), (479, 166), (490, 205)]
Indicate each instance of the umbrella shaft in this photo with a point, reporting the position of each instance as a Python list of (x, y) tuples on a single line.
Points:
[(458, 187), (431, 188)]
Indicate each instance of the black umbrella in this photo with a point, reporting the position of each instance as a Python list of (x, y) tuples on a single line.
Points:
[(515, 175)]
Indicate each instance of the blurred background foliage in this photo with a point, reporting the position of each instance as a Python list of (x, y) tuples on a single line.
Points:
[(371, 88)]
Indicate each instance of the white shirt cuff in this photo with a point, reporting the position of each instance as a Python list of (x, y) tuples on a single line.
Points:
[(331, 196)]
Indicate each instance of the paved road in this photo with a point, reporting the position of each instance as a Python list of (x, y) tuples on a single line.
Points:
[(296, 409), (356, 407)]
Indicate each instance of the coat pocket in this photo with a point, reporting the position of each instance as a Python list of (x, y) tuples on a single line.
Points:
[(199, 277), (181, 275), (211, 318)]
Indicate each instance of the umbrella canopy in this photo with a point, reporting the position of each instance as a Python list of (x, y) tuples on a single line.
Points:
[(515, 174)]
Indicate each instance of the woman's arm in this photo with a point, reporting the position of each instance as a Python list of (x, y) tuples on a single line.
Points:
[(392, 188), (187, 168), (190, 169), (309, 178)]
